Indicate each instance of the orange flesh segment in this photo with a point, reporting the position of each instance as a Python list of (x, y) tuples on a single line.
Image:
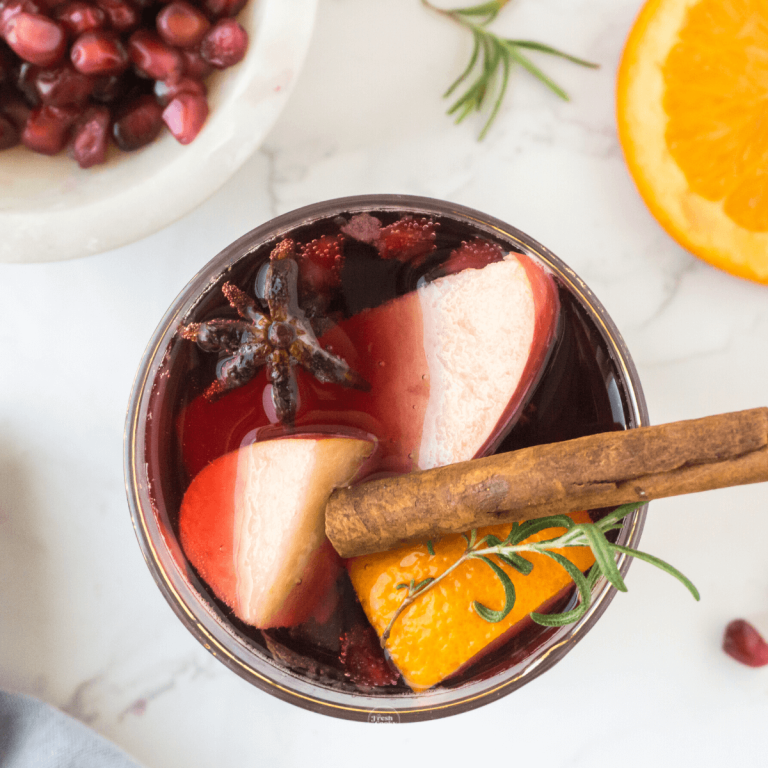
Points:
[(716, 80), (440, 632)]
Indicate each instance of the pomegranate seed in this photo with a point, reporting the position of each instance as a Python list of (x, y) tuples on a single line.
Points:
[(13, 8), (153, 58), (36, 39), (77, 17), (6, 62), (63, 85), (25, 83), (138, 123), (122, 16), (219, 9), (185, 116), (15, 109), (166, 92), (47, 128), (9, 133), (744, 643), (90, 137), (99, 52), (224, 44), (109, 88), (195, 65), (181, 24)]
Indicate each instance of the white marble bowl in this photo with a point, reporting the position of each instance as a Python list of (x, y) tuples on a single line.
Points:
[(51, 209)]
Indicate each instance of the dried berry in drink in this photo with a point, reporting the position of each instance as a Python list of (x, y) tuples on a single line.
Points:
[(407, 239)]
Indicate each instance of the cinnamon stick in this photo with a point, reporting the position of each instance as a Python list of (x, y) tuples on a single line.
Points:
[(601, 470)]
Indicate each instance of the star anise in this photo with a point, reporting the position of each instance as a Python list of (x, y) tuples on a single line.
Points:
[(280, 341)]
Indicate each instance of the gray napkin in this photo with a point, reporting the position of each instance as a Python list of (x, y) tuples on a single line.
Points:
[(35, 735)]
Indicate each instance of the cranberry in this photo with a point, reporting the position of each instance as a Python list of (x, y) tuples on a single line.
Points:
[(36, 39), (122, 16), (138, 123), (219, 9), (99, 52), (153, 58), (224, 44), (78, 16), (9, 133), (90, 137), (195, 65), (185, 116), (166, 92), (12, 8), (181, 24), (47, 128), (63, 85), (744, 643)]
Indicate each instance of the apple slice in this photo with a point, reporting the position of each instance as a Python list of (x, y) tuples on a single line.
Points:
[(451, 367), (253, 525), (452, 364)]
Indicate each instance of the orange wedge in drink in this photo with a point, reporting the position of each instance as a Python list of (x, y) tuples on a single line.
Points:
[(440, 634), (691, 104)]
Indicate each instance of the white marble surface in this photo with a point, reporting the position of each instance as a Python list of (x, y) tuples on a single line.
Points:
[(82, 624)]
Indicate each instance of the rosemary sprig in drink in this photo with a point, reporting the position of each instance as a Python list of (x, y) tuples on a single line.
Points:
[(508, 552), (492, 60)]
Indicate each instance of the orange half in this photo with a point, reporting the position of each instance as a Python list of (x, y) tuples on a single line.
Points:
[(692, 98)]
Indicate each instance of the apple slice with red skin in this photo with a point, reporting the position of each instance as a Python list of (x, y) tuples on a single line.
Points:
[(451, 366), (253, 525)]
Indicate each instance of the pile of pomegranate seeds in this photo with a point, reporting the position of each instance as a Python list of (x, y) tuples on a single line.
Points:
[(78, 72)]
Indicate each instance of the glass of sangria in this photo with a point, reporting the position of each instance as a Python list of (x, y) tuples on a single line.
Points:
[(391, 324)]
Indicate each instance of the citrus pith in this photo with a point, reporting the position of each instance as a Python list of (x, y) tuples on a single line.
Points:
[(692, 91)]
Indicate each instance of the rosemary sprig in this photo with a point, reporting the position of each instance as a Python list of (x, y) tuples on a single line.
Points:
[(492, 60), (508, 551)]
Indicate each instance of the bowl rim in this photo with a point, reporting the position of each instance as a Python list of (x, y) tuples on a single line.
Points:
[(212, 631)]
